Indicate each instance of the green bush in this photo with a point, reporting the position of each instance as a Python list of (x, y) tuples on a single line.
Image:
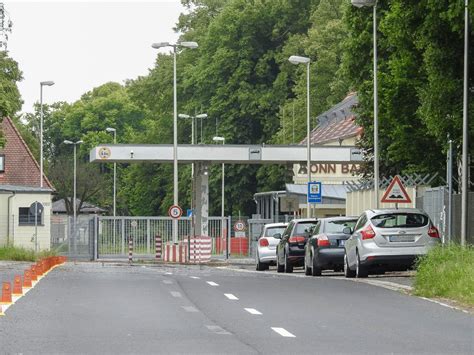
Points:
[(22, 254), (447, 272)]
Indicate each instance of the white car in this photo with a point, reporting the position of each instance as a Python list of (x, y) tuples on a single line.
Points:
[(266, 246)]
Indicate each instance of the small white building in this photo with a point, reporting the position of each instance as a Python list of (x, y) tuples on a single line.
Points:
[(19, 190)]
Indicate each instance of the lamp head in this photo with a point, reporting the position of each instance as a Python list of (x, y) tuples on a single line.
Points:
[(191, 45), (182, 115), (79, 142), (68, 142), (362, 3), (47, 83), (202, 115), (218, 139), (110, 129), (296, 59), (160, 45)]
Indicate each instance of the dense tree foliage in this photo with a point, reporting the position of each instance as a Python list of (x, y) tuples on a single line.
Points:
[(240, 76)]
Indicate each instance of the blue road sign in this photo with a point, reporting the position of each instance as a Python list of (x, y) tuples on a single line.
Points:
[(314, 192), (189, 212)]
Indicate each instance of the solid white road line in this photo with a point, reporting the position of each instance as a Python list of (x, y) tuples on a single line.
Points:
[(168, 282), (252, 311), (195, 277), (283, 332), (231, 296), (175, 294), (212, 283), (168, 273)]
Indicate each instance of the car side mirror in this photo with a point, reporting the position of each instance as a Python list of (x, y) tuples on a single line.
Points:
[(277, 236), (347, 230)]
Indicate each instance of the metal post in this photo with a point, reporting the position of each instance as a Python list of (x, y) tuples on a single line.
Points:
[(36, 226), (175, 148), (41, 135), (449, 178), (376, 114), (308, 138), (222, 202), (74, 203), (465, 180)]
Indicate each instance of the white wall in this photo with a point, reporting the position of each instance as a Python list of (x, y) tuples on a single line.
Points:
[(23, 236)]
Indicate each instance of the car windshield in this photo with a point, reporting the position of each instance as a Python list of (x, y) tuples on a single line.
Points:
[(338, 226), (270, 232), (400, 220), (304, 227)]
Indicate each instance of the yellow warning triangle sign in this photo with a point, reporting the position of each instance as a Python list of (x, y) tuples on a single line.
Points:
[(396, 192)]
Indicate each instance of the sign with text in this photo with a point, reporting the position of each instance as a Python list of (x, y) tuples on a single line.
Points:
[(314, 192)]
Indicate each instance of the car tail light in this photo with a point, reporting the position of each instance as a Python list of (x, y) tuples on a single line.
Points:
[(433, 232), (323, 241), (367, 233), (297, 239), (263, 242)]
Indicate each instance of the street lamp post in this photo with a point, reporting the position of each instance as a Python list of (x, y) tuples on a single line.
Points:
[(465, 129), (223, 229), (175, 125), (373, 3), (114, 131), (75, 193), (294, 59), (42, 83)]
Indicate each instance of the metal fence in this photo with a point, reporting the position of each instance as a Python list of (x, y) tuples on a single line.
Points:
[(76, 240)]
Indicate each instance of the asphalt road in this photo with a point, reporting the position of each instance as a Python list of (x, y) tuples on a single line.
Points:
[(90, 308)]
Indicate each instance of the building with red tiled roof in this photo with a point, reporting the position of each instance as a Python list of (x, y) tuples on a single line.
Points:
[(19, 189)]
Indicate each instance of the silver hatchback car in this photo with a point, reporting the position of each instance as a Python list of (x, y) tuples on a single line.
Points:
[(266, 246), (388, 240)]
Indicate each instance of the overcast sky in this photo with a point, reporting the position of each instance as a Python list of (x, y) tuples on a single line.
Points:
[(81, 45)]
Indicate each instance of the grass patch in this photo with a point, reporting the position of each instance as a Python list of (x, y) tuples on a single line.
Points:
[(447, 272), (21, 254)]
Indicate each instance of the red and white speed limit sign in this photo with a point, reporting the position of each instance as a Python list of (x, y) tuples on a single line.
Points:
[(239, 226), (175, 211)]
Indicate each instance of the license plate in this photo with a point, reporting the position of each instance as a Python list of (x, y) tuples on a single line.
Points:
[(402, 238)]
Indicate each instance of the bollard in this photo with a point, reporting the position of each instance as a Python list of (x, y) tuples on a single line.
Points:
[(6, 294), (130, 249), (27, 279), (17, 286), (158, 246)]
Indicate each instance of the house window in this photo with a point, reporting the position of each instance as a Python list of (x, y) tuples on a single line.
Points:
[(28, 219), (2, 163)]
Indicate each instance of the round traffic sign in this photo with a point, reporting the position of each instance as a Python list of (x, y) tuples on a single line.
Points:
[(239, 226), (175, 211)]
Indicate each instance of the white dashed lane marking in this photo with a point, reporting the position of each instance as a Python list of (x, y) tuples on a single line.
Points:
[(218, 330), (283, 332), (195, 277), (168, 273), (190, 309), (212, 283), (168, 282), (253, 311), (175, 294), (231, 296)]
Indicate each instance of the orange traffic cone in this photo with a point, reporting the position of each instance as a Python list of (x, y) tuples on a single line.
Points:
[(6, 294), (17, 286), (34, 277), (27, 279)]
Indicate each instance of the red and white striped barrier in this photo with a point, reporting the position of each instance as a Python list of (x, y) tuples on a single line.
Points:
[(200, 248), (130, 249), (158, 247), (176, 253)]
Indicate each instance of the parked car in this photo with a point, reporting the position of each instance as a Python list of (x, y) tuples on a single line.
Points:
[(325, 249), (266, 246), (290, 249), (388, 240)]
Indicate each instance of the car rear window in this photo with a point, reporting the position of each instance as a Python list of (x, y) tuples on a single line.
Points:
[(303, 227), (338, 226), (270, 232), (400, 220)]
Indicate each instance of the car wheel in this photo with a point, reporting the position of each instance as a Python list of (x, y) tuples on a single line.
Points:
[(260, 266), (307, 270), (279, 267), (315, 270), (288, 266), (347, 271), (361, 270)]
